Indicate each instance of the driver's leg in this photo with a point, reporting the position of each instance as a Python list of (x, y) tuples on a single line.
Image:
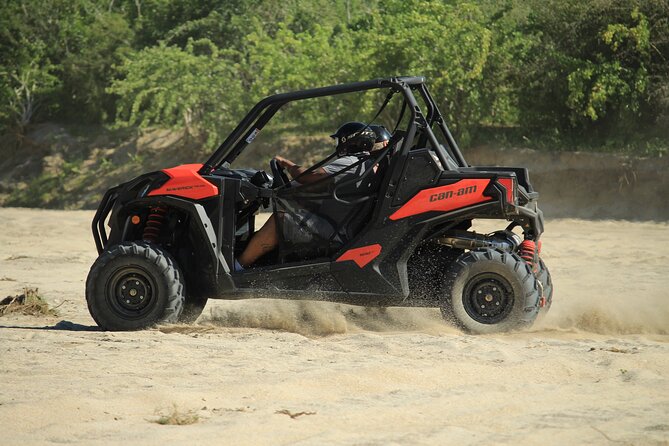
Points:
[(262, 242)]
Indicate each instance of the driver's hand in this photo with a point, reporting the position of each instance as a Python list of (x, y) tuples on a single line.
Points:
[(283, 162)]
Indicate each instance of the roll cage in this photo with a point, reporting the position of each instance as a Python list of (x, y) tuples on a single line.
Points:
[(264, 110)]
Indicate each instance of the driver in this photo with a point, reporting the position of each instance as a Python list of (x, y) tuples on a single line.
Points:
[(354, 140)]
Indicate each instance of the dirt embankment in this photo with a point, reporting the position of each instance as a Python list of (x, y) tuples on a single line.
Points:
[(60, 168), (65, 169), (589, 185)]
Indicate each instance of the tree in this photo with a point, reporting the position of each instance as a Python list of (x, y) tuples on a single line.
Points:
[(196, 89), (59, 54), (24, 88), (593, 66), (448, 43)]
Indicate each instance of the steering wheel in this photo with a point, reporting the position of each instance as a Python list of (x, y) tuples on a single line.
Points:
[(279, 173)]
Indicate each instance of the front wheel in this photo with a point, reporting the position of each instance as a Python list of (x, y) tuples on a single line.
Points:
[(489, 291), (133, 286)]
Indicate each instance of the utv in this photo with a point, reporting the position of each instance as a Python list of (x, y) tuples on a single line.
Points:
[(174, 235)]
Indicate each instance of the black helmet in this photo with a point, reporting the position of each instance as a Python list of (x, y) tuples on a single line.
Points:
[(382, 133), (354, 137)]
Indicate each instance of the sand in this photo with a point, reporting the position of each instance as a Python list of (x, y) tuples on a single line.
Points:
[(594, 371)]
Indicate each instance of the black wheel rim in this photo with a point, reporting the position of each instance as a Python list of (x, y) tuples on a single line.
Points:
[(488, 298), (131, 292)]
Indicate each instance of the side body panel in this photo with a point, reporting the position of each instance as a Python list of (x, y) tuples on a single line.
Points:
[(372, 268)]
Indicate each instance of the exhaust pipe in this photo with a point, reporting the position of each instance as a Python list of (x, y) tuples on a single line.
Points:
[(502, 240)]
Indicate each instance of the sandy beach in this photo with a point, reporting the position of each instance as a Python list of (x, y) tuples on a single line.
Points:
[(267, 372)]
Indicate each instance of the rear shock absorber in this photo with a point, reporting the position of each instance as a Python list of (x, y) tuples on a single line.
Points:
[(154, 222), (528, 252)]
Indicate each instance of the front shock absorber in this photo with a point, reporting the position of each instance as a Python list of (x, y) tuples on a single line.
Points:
[(154, 223)]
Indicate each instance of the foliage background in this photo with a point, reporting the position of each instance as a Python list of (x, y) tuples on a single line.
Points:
[(574, 74)]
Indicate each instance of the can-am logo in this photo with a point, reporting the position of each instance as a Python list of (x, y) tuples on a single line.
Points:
[(448, 194)]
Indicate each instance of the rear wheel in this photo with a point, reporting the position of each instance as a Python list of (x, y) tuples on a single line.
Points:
[(489, 291), (544, 277), (132, 286)]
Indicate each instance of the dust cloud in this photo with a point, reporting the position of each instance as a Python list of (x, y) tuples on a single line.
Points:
[(311, 318), (607, 281)]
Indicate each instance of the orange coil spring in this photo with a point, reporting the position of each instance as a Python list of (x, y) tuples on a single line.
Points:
[(154, 223), (528, 251)]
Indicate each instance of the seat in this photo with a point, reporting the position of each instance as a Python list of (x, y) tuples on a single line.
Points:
[(347, 206)]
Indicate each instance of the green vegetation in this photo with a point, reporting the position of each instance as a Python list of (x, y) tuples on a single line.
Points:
[(542, 73)]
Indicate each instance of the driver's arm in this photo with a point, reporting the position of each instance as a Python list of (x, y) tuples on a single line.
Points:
[(296, 170)]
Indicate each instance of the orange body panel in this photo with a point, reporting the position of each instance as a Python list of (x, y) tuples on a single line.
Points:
[(458, 195), (185, 181), (361, 256)]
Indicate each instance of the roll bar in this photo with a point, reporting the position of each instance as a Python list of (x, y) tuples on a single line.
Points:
[(264, 110)]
